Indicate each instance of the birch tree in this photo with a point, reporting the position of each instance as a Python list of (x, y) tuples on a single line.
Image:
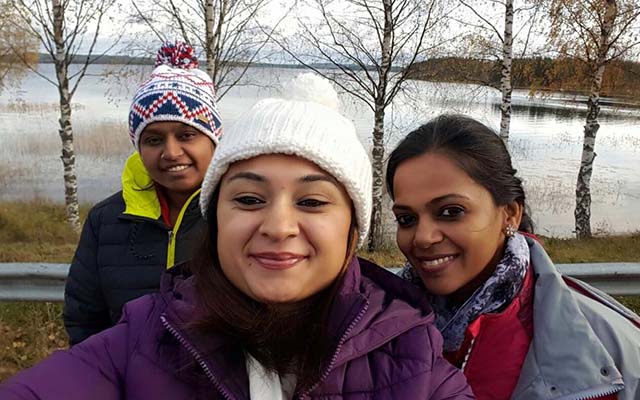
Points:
[(371, 46), (227, 31), (489, 40), (63, 28), (595, 32)]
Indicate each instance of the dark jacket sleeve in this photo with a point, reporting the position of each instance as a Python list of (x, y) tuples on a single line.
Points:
[(85, 310)]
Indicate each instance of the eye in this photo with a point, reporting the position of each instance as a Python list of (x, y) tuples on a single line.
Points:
[(248, 200), (405, 220), (452, 212), (312, 203), (187, 135), (152, 140)]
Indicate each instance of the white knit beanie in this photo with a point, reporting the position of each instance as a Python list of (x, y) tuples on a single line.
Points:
[(306, 123)]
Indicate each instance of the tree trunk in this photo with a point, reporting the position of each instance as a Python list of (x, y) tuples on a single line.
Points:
[(376, 235), (66, 132), (582, 212), (209, 20), (505, 81)]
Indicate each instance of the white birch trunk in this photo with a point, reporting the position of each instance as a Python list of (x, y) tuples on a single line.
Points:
[(66, 132), (583, 187), (376, 235), (505, 81), (215, 18), (209, 20)]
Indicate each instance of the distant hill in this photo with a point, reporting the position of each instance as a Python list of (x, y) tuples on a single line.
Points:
[(126, 60), (621, 78)]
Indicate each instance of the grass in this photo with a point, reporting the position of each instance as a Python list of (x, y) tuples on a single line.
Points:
[(37, 232), (104, 139)]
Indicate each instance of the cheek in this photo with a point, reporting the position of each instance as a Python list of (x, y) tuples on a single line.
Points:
[(203, 154), (149, 157), (404, 239), (329, 236)]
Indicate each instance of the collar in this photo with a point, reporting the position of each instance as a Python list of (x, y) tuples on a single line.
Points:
[(138, 190), (371, 307)]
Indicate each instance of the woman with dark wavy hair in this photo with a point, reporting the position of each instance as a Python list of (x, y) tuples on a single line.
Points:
[(515, 326), (275, 306)]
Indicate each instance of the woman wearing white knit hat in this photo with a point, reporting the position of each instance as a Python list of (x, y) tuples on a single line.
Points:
[(278, 306)]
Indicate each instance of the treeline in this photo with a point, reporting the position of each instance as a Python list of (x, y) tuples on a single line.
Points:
[(621, 78)]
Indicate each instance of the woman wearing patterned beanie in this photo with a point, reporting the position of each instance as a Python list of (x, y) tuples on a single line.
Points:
[(131, 237), (278, 307)]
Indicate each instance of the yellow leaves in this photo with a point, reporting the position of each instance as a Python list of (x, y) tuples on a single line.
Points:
[(18, 45)]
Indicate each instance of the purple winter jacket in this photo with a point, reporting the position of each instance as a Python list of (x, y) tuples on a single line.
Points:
[(385, 347)]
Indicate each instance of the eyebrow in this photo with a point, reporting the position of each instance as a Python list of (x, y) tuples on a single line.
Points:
[(252, 176), (305, 179), (319, 178), (438, 199)]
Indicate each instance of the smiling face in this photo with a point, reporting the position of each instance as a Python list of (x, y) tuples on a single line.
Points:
[(175, 155), (449, 227), (283, 228)]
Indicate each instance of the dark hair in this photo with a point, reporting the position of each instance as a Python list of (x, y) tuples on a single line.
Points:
[(285, 338), (475, 148)]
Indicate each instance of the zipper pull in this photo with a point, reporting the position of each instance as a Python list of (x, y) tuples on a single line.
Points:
[(170, 236)]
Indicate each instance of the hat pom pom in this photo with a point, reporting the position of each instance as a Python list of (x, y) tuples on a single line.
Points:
[(177, 55), (313, 88)]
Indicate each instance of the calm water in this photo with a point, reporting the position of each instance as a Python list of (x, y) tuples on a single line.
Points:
[(546, 140)]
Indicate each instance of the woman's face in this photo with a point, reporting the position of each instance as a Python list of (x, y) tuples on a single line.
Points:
[(449, 227), (176, 155), (283, 227)]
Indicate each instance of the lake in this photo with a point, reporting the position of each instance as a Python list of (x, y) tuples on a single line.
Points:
[(545, 142)]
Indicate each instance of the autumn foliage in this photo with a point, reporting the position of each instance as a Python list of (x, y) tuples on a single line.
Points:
[(621, 78)]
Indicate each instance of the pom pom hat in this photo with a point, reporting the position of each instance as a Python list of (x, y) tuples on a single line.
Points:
[(306, 124), (176, 91)]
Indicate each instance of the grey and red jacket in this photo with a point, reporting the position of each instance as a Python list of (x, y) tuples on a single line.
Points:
[(559, 339), (384, 346)]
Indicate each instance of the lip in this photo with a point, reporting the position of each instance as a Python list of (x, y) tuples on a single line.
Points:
[(277, 261), (167, 169), (433, 265)]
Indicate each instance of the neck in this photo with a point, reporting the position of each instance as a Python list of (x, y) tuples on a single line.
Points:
[(462, 295), (175, 201)]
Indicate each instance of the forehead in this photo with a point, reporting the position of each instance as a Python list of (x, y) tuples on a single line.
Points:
[(276, 166), (433, 175), (165, 127)]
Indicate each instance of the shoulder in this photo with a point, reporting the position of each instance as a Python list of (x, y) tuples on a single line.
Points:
[(107, 209), (616, 331)]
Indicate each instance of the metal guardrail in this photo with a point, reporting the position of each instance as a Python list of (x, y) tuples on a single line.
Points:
[(45, 282)]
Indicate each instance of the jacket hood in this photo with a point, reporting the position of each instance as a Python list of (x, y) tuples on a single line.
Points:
[(138, 190)]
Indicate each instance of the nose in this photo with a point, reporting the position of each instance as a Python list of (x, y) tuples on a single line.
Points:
[(172, 149), (427, 233), (280, 221)]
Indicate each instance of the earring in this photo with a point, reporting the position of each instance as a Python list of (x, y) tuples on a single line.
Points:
[(510, 230)]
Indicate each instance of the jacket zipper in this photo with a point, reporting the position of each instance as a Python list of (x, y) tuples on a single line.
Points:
[(196, 355), (600, 391), (467, 355), (334, 358), (171, 246)]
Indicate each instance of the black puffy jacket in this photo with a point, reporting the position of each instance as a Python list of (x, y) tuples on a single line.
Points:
[(124, 248)]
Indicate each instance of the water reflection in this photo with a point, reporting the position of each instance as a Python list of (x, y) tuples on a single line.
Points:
[(545, 141)]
